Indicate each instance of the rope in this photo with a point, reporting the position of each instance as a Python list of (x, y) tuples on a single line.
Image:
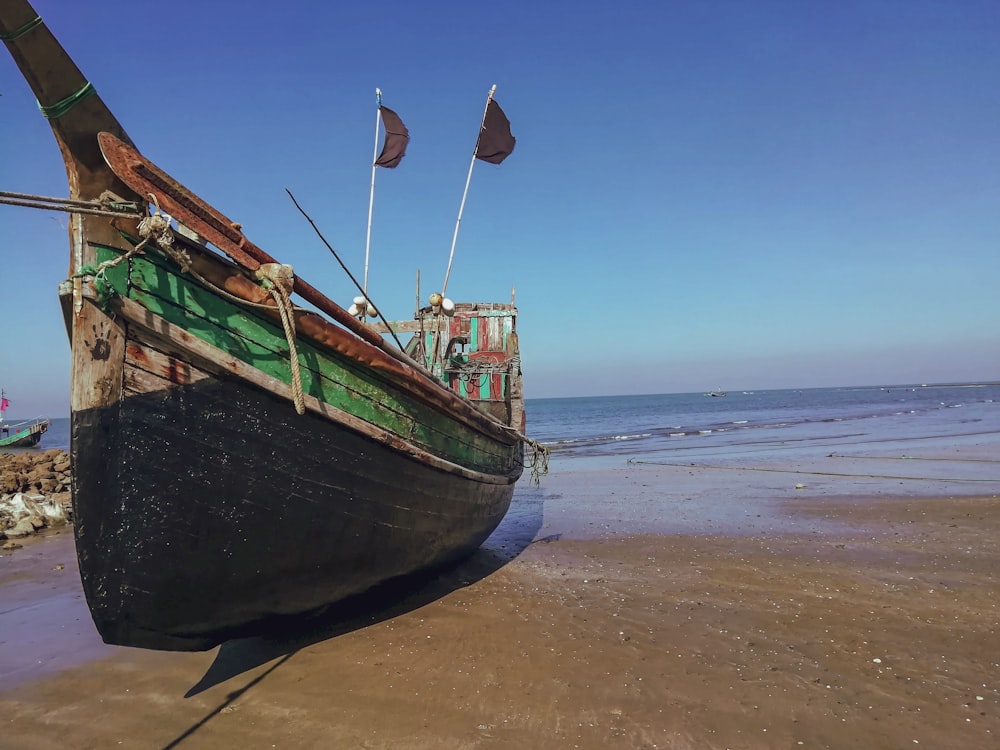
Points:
[(918, 458), (279, 279), (21, 30), (812, 473), (156, 228), (363, 290), (147, 227), (539, 459), (60, 108), (110, 206)]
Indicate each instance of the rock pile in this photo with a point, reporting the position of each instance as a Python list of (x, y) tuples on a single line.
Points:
[(34, 493)]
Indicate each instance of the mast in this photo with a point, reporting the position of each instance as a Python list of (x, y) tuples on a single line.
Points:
[(371, 195), (465, 193)]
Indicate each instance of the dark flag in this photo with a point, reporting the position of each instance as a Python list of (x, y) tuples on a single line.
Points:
[(495, 140), (396, 138)]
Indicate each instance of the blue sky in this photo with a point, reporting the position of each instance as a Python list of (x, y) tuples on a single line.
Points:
[(737, 195)]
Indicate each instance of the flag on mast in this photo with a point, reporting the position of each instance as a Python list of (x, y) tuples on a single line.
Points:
[(396, 139), (495, 143), (393, 150), (495, 140)]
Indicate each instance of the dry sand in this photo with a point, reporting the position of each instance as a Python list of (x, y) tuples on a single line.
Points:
[(821, 620)]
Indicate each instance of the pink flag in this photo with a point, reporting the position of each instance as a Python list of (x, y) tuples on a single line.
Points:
[(4, 403)]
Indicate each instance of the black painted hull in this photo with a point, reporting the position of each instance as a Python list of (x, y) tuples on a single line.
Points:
[(204, 509)]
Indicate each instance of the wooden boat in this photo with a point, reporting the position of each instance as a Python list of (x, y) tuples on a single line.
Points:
[(235, 457), (25, 434), (22, 434)]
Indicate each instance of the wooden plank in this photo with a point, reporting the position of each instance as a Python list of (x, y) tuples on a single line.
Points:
[(148, 370)]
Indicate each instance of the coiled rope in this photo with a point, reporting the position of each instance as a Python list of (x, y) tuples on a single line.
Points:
[(279, 279)]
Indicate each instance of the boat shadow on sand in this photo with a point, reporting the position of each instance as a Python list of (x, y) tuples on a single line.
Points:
[(284, 636)]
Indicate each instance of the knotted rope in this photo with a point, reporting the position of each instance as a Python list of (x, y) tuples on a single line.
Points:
[(279, 279), (155, 228)]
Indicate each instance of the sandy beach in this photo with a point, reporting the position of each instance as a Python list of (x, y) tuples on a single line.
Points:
[(824, 603)]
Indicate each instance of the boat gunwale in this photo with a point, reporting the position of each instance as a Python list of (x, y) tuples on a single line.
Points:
[(222, 361), (414, 378)]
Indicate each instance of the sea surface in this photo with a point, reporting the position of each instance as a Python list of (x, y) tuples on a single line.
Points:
[(682, 422), (679, 422)]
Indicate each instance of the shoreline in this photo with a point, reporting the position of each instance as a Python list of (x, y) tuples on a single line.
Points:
[(755, 614)]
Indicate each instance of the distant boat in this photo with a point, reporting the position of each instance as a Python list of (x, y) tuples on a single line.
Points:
[(716, 393), (21, 434)]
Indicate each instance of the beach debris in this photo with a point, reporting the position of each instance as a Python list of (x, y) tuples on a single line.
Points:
[(800, 486), (34, 492), (23, 514)]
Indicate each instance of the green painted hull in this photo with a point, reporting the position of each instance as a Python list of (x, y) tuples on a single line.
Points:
[(21, 436)]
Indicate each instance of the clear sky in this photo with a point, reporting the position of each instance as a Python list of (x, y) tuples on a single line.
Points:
[(724, 194)]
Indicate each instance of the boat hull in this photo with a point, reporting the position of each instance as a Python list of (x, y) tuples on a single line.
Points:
[(207, 509), (24, 438), (206, 505)]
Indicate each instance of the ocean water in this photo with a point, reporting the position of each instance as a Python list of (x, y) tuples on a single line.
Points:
[(639, 425), (742, 463), (682, 422)]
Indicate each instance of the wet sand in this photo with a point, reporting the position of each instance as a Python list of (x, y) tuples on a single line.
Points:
[(803, 601)]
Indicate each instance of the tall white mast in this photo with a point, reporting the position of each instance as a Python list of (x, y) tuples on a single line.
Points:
[(461, 208), (371, 196)]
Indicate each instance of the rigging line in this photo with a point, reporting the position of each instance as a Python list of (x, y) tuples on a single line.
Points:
[(71, 209), (110, 202), (66, 206), (812, 473), (917, 458), (329, 247)]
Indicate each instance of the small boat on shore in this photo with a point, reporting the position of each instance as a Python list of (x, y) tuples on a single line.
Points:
[(239, 458), (25, 434)]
